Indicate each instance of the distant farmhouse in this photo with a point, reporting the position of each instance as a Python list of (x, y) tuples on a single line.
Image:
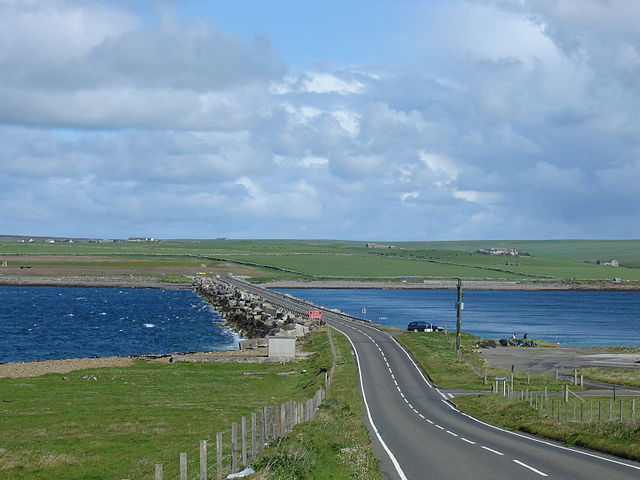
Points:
[(612, 263), (141, 239), (499, 251), (379, 245)]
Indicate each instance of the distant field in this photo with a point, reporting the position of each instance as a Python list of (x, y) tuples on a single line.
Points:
[(551, 259)]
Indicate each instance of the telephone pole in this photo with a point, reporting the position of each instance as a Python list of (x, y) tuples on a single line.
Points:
[(459, 307)]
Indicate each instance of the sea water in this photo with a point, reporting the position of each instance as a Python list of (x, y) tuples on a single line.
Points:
[(572, 318), (45, 323)]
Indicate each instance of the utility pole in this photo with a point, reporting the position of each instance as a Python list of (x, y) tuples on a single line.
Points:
[(459, 307)]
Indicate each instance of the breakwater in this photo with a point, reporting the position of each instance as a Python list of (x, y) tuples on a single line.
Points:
[(251, 314)]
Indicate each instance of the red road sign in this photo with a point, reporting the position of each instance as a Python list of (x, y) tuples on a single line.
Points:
[(315, 315)]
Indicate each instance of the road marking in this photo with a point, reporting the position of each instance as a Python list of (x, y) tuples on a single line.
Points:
[(396, 465), (451, 433), (394, 381), (429, 421), (492, 450), (421, 416), (531, 468), (450, 396), (402, 394), (441, 428), (468, 441)]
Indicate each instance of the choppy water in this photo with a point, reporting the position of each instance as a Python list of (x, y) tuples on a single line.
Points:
[(565, 317), (44, 323)]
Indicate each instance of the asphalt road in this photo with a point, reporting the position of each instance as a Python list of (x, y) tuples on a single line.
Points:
[(419, 434)]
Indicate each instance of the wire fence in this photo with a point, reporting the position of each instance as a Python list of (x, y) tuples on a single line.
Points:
[(232, 450), (571, 407)]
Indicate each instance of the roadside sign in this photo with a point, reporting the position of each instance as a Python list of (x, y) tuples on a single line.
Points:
[(315, 315)]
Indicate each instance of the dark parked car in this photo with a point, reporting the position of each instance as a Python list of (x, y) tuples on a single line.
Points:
[(423, 327)]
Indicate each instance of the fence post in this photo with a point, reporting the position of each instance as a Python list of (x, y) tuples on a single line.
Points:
[(253, 435), (234, 447), (263, 428), (158, 474), (203, 460), (243, 425), (633, 410), (282, 423), (183, 466), (219, 456), (621, 410)]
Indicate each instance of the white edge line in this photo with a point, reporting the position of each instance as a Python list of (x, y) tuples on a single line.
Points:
[(412, 361), (530, 468), (373, 425)]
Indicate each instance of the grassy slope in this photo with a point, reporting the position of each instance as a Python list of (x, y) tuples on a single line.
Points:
[(131, 418)]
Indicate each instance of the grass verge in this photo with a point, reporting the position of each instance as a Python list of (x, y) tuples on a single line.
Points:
[(435, 352), (619, 376), (335, 444)]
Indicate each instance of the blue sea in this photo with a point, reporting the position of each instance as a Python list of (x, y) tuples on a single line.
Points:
[(45, 323), (594, 318)]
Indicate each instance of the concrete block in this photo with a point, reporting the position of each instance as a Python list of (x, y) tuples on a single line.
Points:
[(284, 347)]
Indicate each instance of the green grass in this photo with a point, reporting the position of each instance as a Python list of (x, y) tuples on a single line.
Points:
[(335, 444), (614, 437), (369, 266), (131, 418), (619, 376)]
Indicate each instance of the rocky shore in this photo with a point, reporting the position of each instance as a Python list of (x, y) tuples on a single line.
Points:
[(90, 281)]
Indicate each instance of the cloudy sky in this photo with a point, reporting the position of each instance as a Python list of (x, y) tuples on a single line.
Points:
[(366, 119)]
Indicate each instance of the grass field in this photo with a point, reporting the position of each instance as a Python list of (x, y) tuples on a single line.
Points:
[(130, 418), (553, 260)]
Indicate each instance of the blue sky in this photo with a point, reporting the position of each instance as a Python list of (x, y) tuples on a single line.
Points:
[(382, 120)]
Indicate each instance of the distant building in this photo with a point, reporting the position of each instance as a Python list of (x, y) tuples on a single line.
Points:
[(612, 262), (141, 239), (378, 245), (50, 241), (499, 251)]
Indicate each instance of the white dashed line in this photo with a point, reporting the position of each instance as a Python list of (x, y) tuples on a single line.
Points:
[(429, 421), (450, 396), (542, 474), (421, 416), (492, 450), (451, 433), (441, 428), (468, 441)]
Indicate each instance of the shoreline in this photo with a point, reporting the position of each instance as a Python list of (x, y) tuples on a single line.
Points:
[(452, 285), (437, 284), (94, 281)]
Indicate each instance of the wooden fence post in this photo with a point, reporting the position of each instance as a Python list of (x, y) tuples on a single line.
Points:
[(203, 460), (219, 456), (234, 447), (183, 466), (243, 432), (253, 435), (263, 428), (158, 474)]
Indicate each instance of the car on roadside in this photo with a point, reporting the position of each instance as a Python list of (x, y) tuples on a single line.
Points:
[(423, 327)]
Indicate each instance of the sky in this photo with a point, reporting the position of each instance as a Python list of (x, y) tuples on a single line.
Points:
[(360, 120)]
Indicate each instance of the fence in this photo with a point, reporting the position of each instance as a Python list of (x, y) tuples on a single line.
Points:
[(236, 447), (573, 408)]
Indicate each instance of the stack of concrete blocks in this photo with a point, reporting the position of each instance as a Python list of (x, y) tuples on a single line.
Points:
[(250, 315)]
